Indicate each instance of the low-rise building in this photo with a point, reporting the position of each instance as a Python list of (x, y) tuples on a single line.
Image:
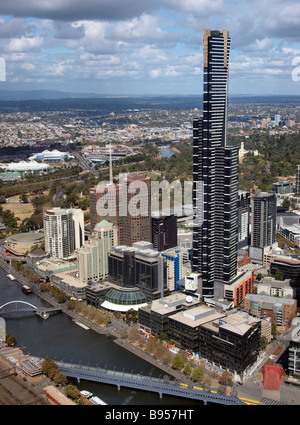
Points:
[(289, 266), (20, 244), (154, 319), (280, 310), (276, 288)]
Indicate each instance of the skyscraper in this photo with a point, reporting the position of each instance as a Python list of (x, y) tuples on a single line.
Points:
[(126, 205), (298, 179), (263, 224), (64, 231), (215, 174)]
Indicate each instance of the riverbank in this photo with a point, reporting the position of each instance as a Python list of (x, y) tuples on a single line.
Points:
[(112, 331)]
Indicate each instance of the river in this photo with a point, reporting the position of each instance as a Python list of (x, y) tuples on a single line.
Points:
[(61, 339)]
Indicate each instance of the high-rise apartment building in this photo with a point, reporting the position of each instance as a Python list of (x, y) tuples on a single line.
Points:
[(215, 174), (64, 231), (92, 258), (243, 219), (298, 180), (126, 205), (263, 224)]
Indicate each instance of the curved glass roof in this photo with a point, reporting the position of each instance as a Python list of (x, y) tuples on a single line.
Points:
[(125, 297)]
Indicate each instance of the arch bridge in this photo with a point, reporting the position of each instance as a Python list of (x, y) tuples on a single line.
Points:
[(14, 306)]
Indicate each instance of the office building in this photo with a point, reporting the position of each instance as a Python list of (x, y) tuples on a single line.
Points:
[(64, 231), (92, 258), (289, 266), (164, 232), (215, 174), (263, 225), (126, 205), (139, 266)]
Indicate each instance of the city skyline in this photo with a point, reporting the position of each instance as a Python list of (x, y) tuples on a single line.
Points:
[(137, 47)]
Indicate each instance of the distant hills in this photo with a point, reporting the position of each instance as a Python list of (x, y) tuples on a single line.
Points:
[(55, 100), (56, 95), (42, 94)]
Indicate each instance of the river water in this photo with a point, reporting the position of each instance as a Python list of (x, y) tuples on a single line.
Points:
[(61, 339)]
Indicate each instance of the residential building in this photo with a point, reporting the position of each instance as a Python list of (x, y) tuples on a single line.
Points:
[(243, 219), (298, 179), (215, 173), (174, 260), (294, 353), (280, 310), (276, 288), (239, 288), (64, 231), (92, 258), (263, 225)]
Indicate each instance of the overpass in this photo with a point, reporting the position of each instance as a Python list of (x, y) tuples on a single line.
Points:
[(142, 382), (14, 306)]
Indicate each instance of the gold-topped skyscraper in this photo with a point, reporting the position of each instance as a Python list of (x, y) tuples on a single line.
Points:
[(215, 174)]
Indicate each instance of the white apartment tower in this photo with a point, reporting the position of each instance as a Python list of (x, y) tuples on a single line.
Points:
[(64, 231)]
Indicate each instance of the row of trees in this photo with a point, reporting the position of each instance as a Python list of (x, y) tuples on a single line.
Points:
[(51, 370)]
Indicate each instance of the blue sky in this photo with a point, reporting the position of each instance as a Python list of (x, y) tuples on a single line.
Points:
[(124, 47)]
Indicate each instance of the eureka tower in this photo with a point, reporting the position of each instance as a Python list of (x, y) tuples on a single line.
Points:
[(215, 174)]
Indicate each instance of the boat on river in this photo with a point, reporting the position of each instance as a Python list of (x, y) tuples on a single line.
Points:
[(85, 393), (26, 290), (98, 401)]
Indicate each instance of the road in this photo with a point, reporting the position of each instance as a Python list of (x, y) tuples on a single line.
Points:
[(82, 162)]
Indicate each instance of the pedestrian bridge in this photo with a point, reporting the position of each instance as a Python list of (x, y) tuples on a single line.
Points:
[(142, 382), (24, 306)]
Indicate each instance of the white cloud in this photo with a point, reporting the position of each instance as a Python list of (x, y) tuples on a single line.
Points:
[(24, 43)]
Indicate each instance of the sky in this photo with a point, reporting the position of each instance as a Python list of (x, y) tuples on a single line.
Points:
[(146, 47)]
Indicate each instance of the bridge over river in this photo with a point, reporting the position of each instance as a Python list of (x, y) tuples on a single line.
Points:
[(24, 306), (142, 382)]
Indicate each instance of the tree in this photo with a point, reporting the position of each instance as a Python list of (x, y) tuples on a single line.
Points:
[(198, 373), (72, 392), (187, 370), (24, 198), (60, 378), (263, 342), (279, 275), (178, 362), (286, 204), (10, 340), (226, 378), (49, 368)]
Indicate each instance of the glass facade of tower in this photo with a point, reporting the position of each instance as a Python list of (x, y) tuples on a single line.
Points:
[(215, 174)]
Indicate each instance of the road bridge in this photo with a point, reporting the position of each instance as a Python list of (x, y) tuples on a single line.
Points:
[(14, 306), (142, 382)]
